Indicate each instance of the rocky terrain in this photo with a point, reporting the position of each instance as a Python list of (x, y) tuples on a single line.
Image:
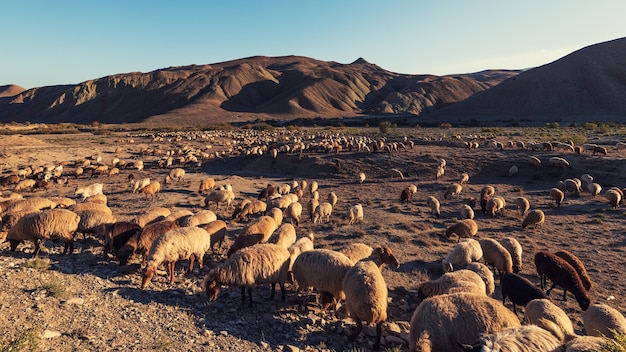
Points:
[(82, 302)]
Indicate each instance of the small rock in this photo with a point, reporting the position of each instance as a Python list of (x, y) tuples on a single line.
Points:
[(75, 301), (50, 334), (393, 327), (293, 348), (265, 344), (224, 333)]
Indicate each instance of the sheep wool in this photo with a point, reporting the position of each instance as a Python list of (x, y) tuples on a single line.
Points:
[(463, 228), (497, 256), (578, 265), (356, 214), (152, 215), (433, 204), (522, 205), (357, 251), (561, 273), (533, 218), (439, 323), (515, 249), (485, 273), (43, 225), (202, 217), (528, 338), (462, 254), (452, 190), (519, 290), (557, 196), (604, 320), (323, 211), (285, 236), (537, 311), (182, 243), (453, 282), (467, 212)]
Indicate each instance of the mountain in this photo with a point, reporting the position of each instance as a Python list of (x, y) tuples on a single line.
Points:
[(10, 90), (246, 89), (586, 85)]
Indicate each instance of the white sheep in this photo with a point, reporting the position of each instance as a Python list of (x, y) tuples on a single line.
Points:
[(515, 250), (462, 254), (24, 185), (258, 231), (433, 204), (357, 251), (152, 215), (88, 191), (324, 210), (466, 212), (557, 196), (202, 217), (534, 218), (485, 273), (534, 161), (528, 338), (496, 255), (175, 174), (206, 185), (258, 264), (496, 205), (453, 282), (558, 162), (366, 291), (464, 178), (522, 204), (182, 243), (594, 189), (462, 228), (586, 180), (604, 320), (332, 199), (217, 229), (452, 190), (361, 177), (251, 207), (139, 184), (513, 170), (441, 322), (219, 196), (614, 197), (293, 212), (284, 236), (44, 225), (537, 311), (440, 172), (356, 214)]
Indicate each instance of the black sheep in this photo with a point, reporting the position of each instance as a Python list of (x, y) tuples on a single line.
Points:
[(561, 273), (519, 290), (405, 197)]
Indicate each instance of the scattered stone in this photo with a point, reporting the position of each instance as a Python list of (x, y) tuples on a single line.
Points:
[(50, 334), (75, 301)]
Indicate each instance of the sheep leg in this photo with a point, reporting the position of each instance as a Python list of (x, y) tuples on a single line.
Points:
[(243, 295), (564, 294), (550, 289), (191, 261), (37, 248), (379, 333), (170, 270), (250, 296), (283, 295), (273, 284), (357, 330)]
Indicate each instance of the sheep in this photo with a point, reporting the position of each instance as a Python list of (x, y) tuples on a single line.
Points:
[(440, 172), (519, 290), (585, 344), (206, 185), (176, 174), (522, 205), (604, 320), (332, 199), (496, 205), (34, 203), (485, 194), (91, 219), (439, 323), (219, 196), (578, 265), (586, 179), (614, 198), (594, 189), (412, 189), (557, 196), (114, 171), (534, 161), (322, 269), (97, 198), (485, 273), (462, 254), (258, 264), (453, 282), (467, 212), (152, 215), (462, 228), (452, 190), (116, 235), (303, 244), (515, 249), (497, 256), (284, 236), (179, 216), (533, 218), (405, 196), (464, 178), (202, 217), (293, 212), (90, 206), (537, 311), (366, 292), (513, 170), (44, 225), (88, 191), (573, 185), (356, 214), (324, 210), (599, 149), (151, 189), (24, 185), (528, 338), (433, 204), (361, 177), (558, 162), (217, 230), (357, 251), (183, 243), (142, 241), (139, 184), (252, 207), (561, 273), (267, 192), (258, 231), (313, 186)]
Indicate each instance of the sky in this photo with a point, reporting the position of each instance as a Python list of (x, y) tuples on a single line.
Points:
[(45, 42)]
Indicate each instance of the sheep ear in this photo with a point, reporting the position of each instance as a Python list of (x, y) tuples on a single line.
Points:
[(465, 347)]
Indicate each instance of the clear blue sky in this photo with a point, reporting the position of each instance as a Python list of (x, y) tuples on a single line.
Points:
[(46, 42)]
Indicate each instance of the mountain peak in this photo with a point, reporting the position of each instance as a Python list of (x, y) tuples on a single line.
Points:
[(360, 61)]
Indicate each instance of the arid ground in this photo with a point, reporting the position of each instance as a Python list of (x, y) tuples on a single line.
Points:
[(82, 302)]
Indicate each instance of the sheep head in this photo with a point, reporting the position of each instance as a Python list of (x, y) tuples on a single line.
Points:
[(383, 255), (212, 288), (147, 276)]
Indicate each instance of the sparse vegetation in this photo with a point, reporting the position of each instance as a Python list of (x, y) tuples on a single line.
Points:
[(38, 263), (385, 127), (617, 344), (54, 289), (27, 340)]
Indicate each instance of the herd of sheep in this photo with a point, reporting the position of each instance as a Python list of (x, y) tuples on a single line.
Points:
[(456, 311)]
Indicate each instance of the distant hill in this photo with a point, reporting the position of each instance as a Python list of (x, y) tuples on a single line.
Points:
[(586, 85), (10, 90), (246, 89)]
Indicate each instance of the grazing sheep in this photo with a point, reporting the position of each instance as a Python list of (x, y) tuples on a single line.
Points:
[(578, 265), (267, 192), (312, 207), (322, 269), (604, 320), (219, 196), (433, 204), (485, 273), (515, 249), (585, 344), (152, 215), (251, 207), (452, 190), (293, 212), (45, 225), (599, 149), (284, 236), (357, 251), (534, 161), (324, 210), (497, 256), (453, 282), (463, 228), (467, 212), (207, 185), (177, 174), (557, 196), (513, 170), (139, 184), (31, 204), (313, 186), (24, 185), (412, 189), (303, 244), (332, 199), (258, 231), (361, 177), (528, 338), (561, 273), (151, 189), (533, 218), (142, 241), (405, 196), (594, 189), (91, 219), (462, 254), (217, 230), (614, 198), (496, 205), (522, 205), (586, 180), (183, 243), (90, 206), (88, 191), (366, 292), (356, 214), (485, 194), (464, 178), (519, 290), (202, 217), (116, 235), (258, 264), (537, 311), (440, 172), (179, 216), (441, 322), (573, 185)]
